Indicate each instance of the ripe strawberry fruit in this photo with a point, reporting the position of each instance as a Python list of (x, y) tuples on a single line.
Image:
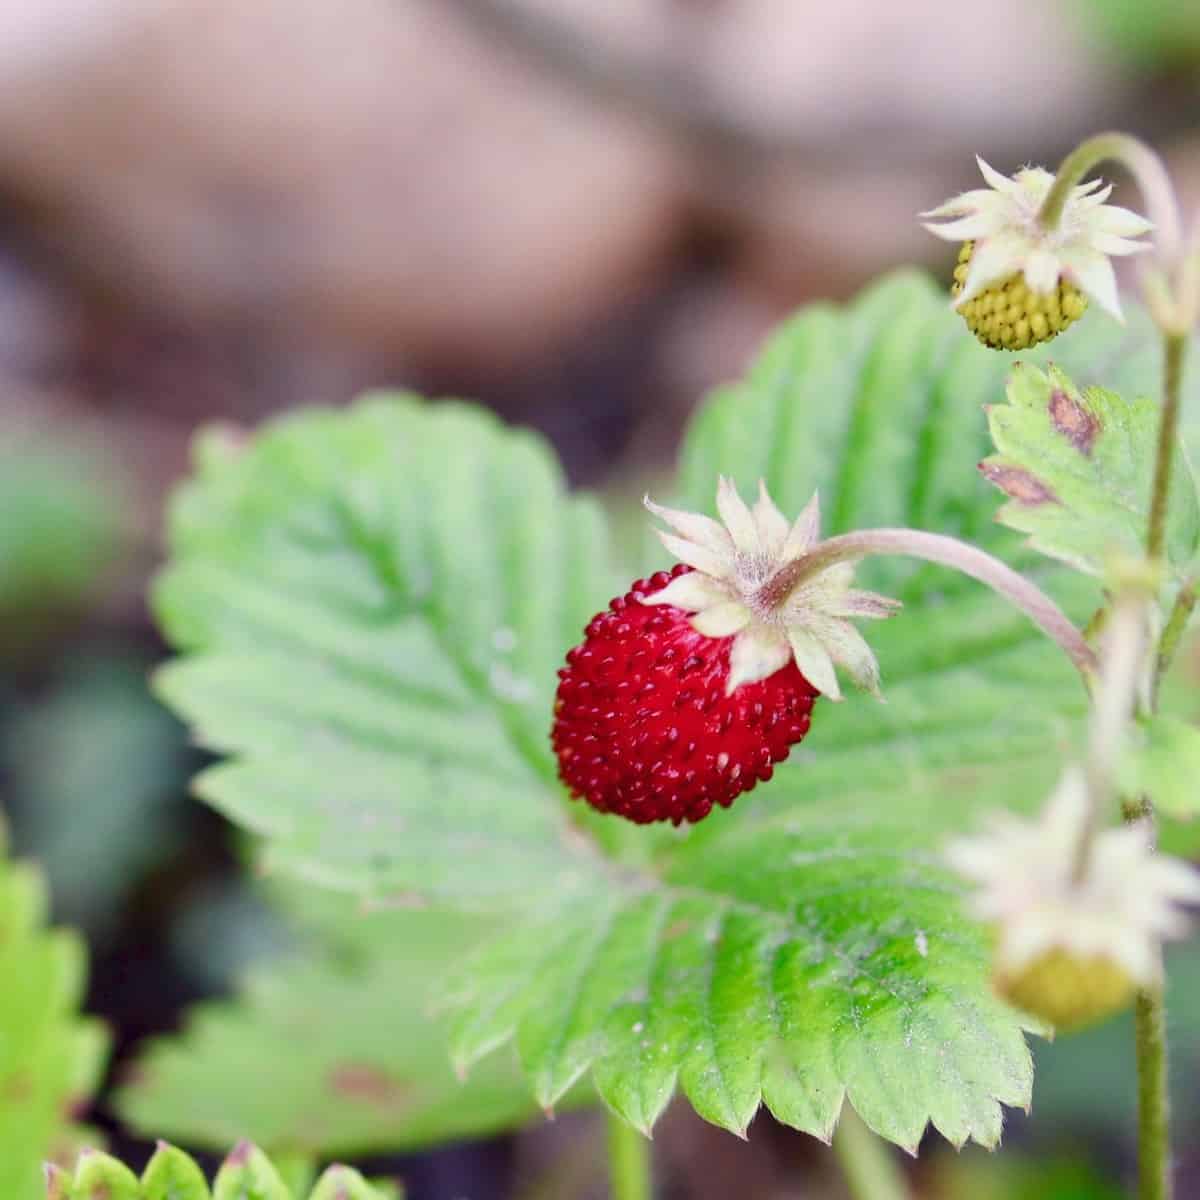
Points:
[(643, 726), (693, 685)]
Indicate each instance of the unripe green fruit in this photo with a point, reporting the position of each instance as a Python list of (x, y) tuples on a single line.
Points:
[(1008, 316), (1068, 990)]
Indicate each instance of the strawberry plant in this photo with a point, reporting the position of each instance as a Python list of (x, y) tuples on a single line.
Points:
[(772, 894)]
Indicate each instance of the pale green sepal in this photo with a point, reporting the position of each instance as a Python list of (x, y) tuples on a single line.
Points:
[(173, 1175), (247, 1174)]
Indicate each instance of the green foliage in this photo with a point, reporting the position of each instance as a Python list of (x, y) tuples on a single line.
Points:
[(59, 523), (1079, 467), (330, 1053), (247, 1174), (93, 823), (1019, 1177), (1150, 34), (50, 1060), (1164, 763), (371, 606)]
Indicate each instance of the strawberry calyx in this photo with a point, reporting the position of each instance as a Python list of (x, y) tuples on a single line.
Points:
[(748, 582)]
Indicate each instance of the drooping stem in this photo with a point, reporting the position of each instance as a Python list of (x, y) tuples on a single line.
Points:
[(1154, 1149), (1145, 166), (1175, 351), (628, 1161), (869, 1169), (947, 552)]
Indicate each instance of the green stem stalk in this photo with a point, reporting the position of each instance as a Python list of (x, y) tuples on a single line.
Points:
[(1150, 1025), (1175, 350), (869, 1168), (628, 1161), (1154, 1149), (947, 552)]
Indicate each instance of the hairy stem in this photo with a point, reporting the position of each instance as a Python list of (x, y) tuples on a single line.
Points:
[(1154, 1149), (947, 552), (1143, 164), (868, 1166), (1175, 350), (1172, 634), (628, 1161)]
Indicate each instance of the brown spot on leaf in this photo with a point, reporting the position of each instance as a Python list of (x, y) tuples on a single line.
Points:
[(1018, 484), (676, 929), (1073, 421), (362, 1081)]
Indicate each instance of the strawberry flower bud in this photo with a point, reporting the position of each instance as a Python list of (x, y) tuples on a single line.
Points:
[(1019, 283), (1070, 949)]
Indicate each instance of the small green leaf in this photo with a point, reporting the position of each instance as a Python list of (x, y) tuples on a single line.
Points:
[(296, 1170), (100, 1177), (49, 1058), (1078, 468), (60, 518), (1164, 763), (344, 1183), (248, 1174), (172, 1175)]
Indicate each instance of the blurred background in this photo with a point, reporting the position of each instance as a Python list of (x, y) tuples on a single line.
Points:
[(581, 215)]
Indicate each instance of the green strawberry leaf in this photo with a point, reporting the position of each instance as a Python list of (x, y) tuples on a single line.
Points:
[(410, 646), (247, 1174), (1078, 468), (1164, 763), (371, 606), (50, 1059), (332, 1052)]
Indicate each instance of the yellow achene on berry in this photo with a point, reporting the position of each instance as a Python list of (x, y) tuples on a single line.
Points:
[(1008, 316), (1070, 991)]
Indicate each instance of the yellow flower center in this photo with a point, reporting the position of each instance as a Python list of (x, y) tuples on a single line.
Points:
[(1009, 316)]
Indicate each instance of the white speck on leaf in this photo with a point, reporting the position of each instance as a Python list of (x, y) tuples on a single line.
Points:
[(638, 1026), (922, 943), (504, 640)]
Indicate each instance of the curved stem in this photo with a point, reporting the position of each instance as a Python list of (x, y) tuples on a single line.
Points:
[(1143, 164), (628, 1161), (947, 552), (870, 1171)]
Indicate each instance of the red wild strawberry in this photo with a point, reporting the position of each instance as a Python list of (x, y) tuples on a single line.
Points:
[(643, 726), (688, 690)]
